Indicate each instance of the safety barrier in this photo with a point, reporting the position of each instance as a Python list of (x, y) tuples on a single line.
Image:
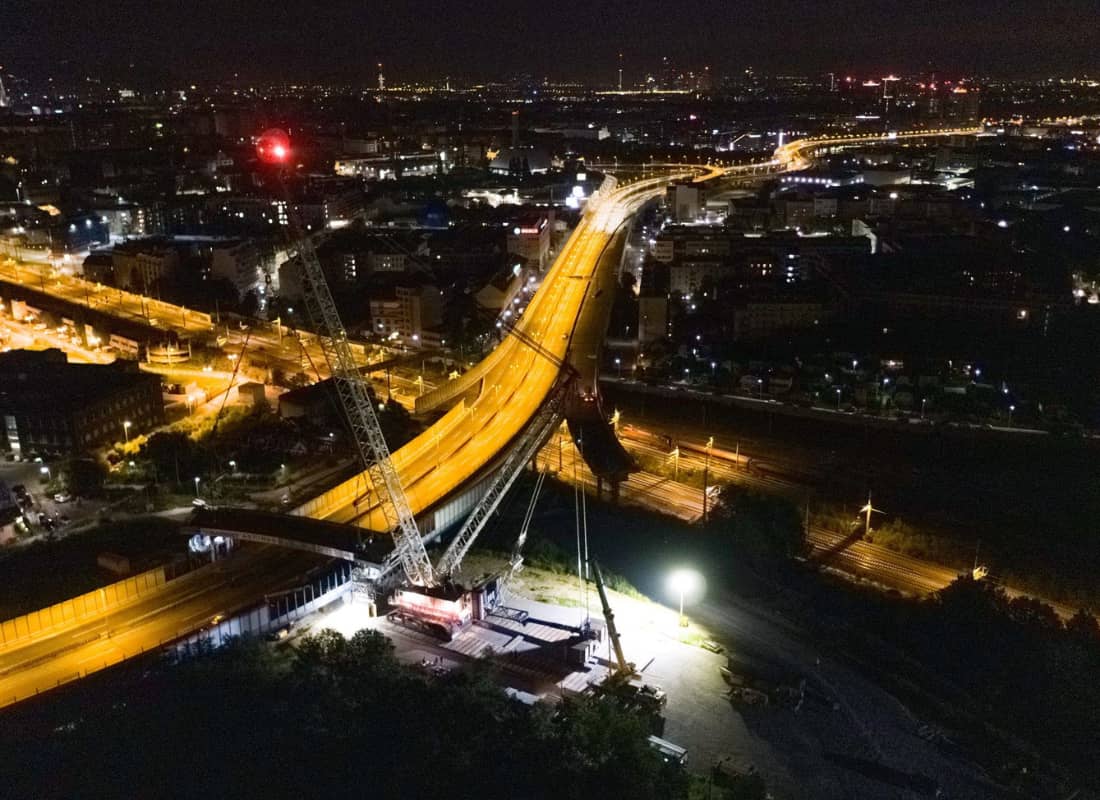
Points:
[(75, 609), (275, 612)]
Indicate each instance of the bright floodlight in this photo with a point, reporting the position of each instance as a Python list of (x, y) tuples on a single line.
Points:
[(683, 581), (273, 146)]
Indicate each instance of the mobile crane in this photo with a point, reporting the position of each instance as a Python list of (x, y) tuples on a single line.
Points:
[(273, 148), (410, 555)]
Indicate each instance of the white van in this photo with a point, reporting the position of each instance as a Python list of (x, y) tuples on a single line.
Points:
[(671, 753)]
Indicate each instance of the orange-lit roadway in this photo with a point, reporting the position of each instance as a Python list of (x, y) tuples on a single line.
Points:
[(516, 376)]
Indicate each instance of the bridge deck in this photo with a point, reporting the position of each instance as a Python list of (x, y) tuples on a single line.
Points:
[(299, 533)]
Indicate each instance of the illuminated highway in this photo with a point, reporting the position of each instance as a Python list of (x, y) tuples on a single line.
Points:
[(124, 305), (517, 376), (266, 343), (176, 609), (796, 155)]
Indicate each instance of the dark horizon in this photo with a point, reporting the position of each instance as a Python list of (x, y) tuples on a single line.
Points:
[(198, 40)]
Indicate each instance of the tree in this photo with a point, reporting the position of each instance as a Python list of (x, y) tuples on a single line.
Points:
[(764, 525), (249, 304), (83, 477), (1083, 626), (300, 721), (398, 426), (174, 455)]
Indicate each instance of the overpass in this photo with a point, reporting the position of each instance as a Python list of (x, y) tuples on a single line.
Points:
[(448, 467), (495, 399), (318, 537)]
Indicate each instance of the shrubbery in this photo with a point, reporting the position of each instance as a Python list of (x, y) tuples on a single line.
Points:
[(333, 718)]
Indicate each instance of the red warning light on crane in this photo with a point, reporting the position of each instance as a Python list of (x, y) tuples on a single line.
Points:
[(273, 146)]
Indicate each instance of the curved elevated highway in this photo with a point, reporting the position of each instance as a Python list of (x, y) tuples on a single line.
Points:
[(496, 398)]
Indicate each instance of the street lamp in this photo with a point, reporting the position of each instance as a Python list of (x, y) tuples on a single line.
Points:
[(923, 403), (676, 463), (683, 582), (233, 465), (619, 365), (44, 470), (196, 486), (838, 398), (126, 430), (706, 475), (1010, 410)]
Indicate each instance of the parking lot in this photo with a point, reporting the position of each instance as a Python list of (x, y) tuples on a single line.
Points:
[(63, 511)]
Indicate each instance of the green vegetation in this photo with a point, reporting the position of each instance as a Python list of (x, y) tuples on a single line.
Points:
[(762, 525), (331, 718), (257, 441), (83, 477), (542, 553), (998, 671)]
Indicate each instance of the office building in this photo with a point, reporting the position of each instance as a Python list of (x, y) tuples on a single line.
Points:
[(48, 405)]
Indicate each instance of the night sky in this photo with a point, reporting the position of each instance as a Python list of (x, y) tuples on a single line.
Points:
[(478, 39)]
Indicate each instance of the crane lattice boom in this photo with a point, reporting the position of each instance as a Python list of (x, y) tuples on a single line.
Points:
[(362, 421)]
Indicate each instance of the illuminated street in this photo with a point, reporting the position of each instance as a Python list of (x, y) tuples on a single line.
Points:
[(178, 608), (515, 378), (686, 401)]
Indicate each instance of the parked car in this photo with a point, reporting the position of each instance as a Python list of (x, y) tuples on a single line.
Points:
[(62, 497)]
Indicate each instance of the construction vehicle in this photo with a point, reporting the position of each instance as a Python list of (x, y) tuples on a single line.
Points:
[(274, 149), (429, 593), (625, 680), (623, 667)]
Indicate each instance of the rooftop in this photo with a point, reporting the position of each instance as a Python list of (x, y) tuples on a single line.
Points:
[(32, 380)]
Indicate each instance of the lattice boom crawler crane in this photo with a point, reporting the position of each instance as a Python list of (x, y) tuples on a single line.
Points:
[(431, 592)]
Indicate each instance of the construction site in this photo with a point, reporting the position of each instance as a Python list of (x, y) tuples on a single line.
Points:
[(444, 613)]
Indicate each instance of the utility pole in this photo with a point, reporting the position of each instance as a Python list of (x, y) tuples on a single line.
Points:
[(561, 445), (867, 510)]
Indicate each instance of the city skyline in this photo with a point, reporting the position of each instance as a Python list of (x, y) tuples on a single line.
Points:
[(197, 41)]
